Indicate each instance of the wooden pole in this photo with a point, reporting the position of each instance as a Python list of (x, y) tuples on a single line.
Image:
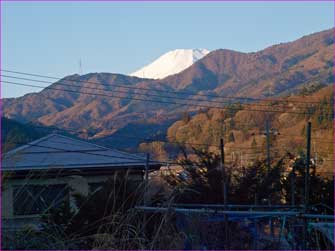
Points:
[(268, 163), (308, 157), (145, 195), (306, 190), (224, 193), (292, 181), (146, 183), (223, 171)]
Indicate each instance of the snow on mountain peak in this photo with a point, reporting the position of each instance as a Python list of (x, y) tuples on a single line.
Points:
[(170, 63)]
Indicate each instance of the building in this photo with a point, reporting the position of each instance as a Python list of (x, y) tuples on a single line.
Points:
[(45, 172)]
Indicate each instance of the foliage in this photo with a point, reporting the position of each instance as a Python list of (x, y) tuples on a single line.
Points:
[(186, 117), (157, 149), (104, 219), (308, 90), (231, 124), (257, 184), (103, 212), (200, 182), (202, 129), (232, 109), (29, 238), (321, 189), (321, 114), (253, 143), (14, 133), (231, 137)]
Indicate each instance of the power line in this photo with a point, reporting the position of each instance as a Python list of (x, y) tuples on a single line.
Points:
[(189, 143), (141, 138), (315, 139), (61, 82), (165, 91), (60, 150), (167, 141), (169, 161), (146, 139), (148, 100), (163, 161)]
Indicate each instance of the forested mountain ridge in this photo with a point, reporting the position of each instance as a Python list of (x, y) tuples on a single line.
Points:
[(243, 127), (99, 105)]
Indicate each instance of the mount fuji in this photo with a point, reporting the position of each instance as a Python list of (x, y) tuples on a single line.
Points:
[(170, 63)]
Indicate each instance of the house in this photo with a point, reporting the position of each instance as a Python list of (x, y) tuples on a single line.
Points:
[(45, 172)]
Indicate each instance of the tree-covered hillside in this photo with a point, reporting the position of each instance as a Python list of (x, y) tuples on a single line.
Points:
[(242, 126), (14, 133)]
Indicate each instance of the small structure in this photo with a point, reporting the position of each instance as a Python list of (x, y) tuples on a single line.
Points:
[(44, 173)]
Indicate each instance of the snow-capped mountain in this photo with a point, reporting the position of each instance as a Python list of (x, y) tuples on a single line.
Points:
[(170, 63)]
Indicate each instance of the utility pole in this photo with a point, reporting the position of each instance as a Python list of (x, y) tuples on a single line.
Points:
[(292, 181), (224, 193), (308, 157), (268, 164), (315, 155), (145, 195), (267, 131), (146, 184), (306, 190), (223, 171)]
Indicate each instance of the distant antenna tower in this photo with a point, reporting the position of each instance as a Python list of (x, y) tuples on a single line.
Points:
[(80, 68)]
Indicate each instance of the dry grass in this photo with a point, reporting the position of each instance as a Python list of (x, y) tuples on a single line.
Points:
[(107, 220)]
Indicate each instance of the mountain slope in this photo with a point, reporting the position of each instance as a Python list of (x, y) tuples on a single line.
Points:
[(227, 72), (170, 63), (282, 69), (244, 130), (14, 133)]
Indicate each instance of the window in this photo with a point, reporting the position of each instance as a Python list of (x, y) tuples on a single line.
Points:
[(37, 199)]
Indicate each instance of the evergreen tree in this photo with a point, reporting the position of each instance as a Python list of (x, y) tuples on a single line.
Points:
[(231, 123), (253, 143), (186, 117), (231, 137)]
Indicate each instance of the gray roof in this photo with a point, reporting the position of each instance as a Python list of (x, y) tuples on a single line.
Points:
[(58, 151)]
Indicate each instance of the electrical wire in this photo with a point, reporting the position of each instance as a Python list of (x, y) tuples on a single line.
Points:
[(169, 161), (156, 90), (148, 100), (61, 82), (148, 140)]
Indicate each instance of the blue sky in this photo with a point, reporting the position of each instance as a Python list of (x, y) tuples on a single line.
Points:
[(50, 38)]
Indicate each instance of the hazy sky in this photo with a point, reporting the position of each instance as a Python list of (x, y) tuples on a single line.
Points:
[(50, 38)]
